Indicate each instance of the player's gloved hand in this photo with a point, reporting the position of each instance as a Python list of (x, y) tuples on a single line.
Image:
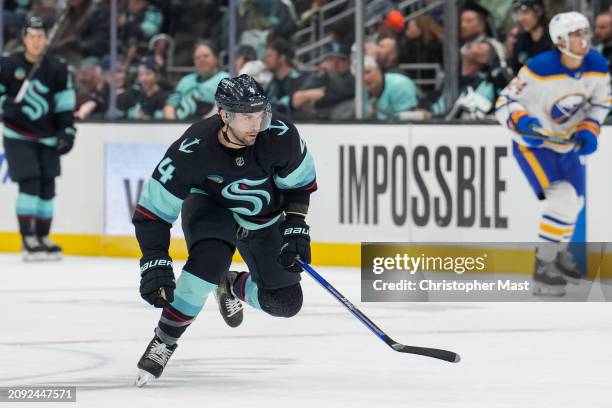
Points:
[(65, 141), (157, 281), (10, 108), (524, 125), (295, 234), (586, 142)]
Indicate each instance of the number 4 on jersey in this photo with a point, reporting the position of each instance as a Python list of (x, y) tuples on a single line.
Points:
[(166, 169)]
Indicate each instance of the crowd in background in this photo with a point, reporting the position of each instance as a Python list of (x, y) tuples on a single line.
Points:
[(173, 53)]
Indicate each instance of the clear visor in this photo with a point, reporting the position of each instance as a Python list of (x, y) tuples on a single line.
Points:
[(250, 122)]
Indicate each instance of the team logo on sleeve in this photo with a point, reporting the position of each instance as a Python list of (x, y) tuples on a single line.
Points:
[(566, 107)]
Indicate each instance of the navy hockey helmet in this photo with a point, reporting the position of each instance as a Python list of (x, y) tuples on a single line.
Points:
[(242, 94), (33, 23)]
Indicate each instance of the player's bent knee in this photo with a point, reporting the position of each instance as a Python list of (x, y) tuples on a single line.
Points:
[(210, 259), (47, 189), (283, 302), (563, 200)]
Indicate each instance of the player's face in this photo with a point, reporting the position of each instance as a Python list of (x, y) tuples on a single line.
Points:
[(34, 42), (246, 126), (580, 42)]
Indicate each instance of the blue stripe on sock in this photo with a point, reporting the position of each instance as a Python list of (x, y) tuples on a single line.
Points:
[(251, 293), (553, 219), (191, 293), (548, 239), (27, 204)]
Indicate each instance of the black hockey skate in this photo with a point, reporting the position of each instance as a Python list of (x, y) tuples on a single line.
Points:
[(153, 361), (568, 267), (230, 306), (32, 249), (547, 279), (52, 250)]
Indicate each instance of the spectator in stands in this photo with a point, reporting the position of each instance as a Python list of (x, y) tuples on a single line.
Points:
[(324, 94), (194, 96), (510, 40), (391, 25), (422, 44), (146, 100), (477, 93), (258, 19), (387, 55), (14, 14), (286, 79), (247, 63), (388, 95), (92, 90), (159, 49), (84, 33), (475, 27), (533, 37), (603, 36), (136, 27)]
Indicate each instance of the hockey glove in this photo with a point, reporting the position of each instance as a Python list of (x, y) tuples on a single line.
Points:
[(524, 125), (295, 234), (157, 281), (586, 142), (65, 141)]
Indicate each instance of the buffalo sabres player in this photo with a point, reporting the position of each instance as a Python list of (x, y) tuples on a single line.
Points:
[(565, 91), (37, 130), (240, 179)]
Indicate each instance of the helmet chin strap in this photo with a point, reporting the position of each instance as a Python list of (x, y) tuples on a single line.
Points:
[(227, 139)]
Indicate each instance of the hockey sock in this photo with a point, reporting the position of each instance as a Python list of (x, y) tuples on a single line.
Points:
[(246, 290), (555, 235), (27, 207), (44, 217), (189, 297)]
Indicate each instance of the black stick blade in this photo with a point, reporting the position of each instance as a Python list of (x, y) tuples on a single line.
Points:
[(428, 352)]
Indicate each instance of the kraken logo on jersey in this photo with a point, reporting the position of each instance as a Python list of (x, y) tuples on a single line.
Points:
[(240, 191), (566, 107), (35, 104)]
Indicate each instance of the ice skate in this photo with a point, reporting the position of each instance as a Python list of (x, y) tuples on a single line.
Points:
[(32, 249), (547, 279), (568, 267), (230, 306), (53, 252), (153, 361)]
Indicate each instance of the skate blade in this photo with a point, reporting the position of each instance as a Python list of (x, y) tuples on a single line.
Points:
[(144, 377), (54, 257), (34, 257), (540, 289)]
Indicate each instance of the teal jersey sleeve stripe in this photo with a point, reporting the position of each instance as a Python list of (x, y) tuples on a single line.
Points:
[(303, 175), (160, 201), (65, 101)]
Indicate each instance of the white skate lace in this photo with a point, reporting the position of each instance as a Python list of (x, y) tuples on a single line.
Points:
[(159, 353), (232, 306)]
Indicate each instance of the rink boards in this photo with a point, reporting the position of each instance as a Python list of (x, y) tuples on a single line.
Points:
[(396, 182)]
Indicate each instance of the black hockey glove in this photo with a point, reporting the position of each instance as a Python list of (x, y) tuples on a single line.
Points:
[(157, 281), (296, 242), (65, 141)]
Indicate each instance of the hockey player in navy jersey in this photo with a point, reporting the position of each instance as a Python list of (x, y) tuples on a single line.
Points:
[(563, 92), (37, 130), (240, 179)]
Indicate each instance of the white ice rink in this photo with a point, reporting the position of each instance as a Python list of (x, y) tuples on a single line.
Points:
[(81, 322)]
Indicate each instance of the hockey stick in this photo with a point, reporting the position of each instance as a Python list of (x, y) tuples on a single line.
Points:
[(541, 133), (402, 348), (26, 83)]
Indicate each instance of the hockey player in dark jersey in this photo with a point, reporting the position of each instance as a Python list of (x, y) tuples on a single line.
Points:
[(37, 130), (240, 179)]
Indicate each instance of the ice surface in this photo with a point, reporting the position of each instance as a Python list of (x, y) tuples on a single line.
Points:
[(81, 322)]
